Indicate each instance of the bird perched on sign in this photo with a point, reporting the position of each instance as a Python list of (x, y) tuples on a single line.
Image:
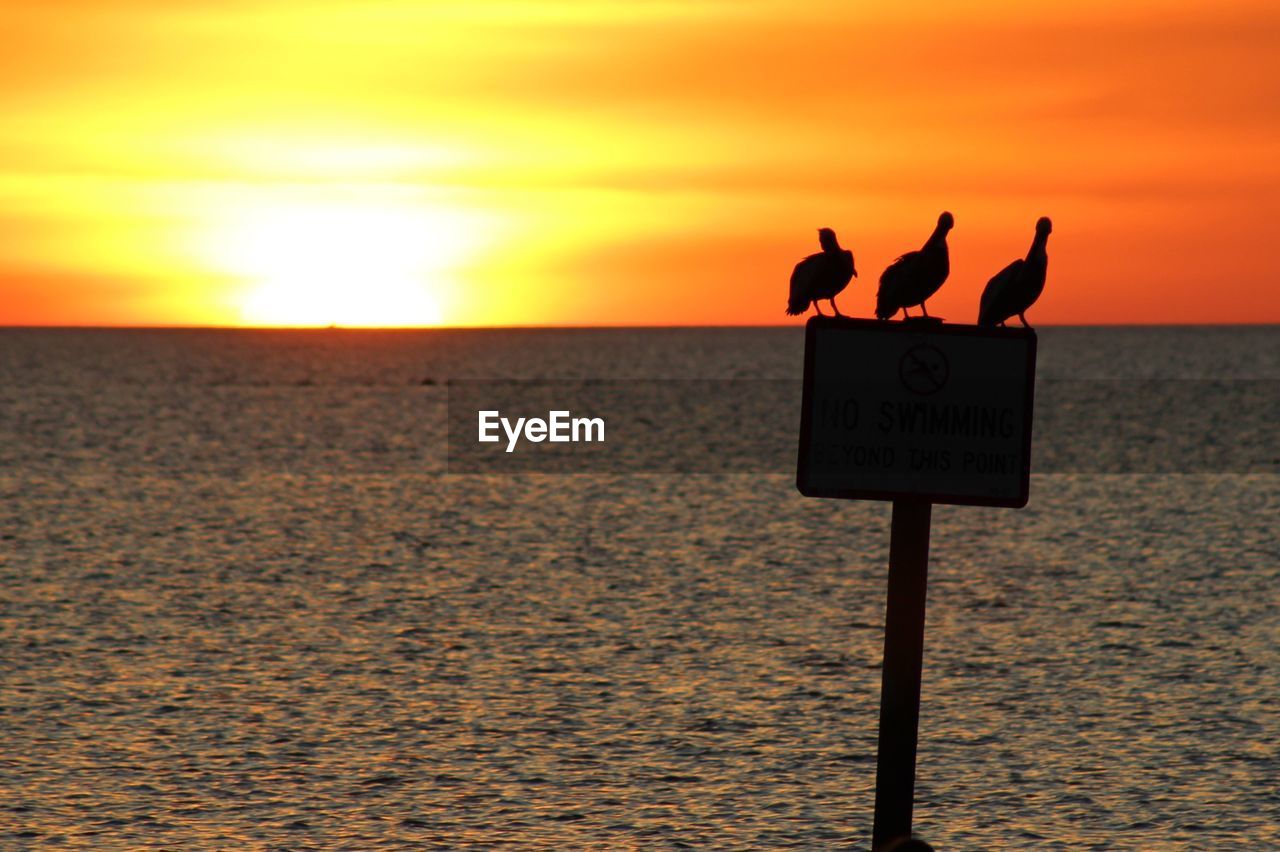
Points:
[(1016, 287), (821, 276), (917, 275)]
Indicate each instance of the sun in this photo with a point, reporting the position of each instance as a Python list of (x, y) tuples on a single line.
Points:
[(345, 261)]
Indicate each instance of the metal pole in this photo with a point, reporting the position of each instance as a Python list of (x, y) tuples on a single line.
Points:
[(900, 679)]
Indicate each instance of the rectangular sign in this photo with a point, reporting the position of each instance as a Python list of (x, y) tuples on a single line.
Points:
[(916, 409)]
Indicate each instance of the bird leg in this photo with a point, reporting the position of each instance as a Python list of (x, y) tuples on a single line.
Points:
[(1025, 324), (905, 315), (923, 308), (832, 300), (818, 308)]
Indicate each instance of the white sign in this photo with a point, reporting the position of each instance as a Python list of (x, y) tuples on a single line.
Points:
[(916, 409)]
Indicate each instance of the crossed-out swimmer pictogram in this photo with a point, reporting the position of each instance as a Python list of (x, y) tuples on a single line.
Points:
[(924, 369)]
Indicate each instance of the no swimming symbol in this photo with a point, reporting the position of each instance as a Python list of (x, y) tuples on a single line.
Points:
[(924, 369)]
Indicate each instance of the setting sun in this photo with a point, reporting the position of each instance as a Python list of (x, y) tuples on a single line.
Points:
[(355, 261)]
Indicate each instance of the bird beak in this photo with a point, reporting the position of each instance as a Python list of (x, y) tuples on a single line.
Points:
[(855, 273)]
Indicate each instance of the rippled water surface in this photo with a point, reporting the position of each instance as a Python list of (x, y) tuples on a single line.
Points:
[(242, 606)]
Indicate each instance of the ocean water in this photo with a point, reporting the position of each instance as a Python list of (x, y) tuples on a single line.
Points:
[(243, 605)]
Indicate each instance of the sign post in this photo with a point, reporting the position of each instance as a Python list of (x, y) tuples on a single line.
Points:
[(900, 677), (918, 413)]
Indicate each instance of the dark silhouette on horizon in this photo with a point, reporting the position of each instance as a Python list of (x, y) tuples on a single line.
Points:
[(1016, 287), (916, 275), (821, 276)]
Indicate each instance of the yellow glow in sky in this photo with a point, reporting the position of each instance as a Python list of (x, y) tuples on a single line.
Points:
[(366, 261)]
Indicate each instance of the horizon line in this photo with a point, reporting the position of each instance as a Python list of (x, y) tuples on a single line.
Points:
[(563, 327)]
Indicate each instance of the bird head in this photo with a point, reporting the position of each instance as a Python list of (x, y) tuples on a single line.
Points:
[(946, 222), (827, 237), (1043, 226)]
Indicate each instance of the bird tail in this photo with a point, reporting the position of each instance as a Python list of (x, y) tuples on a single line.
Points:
[(987, 306), (884, 307), (796, 305)]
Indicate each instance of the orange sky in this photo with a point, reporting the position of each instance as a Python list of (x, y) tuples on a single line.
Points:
[(576, 162)]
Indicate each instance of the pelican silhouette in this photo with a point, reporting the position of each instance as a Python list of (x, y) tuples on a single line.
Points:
[(821, 276), (1016, 287), (917, 275)]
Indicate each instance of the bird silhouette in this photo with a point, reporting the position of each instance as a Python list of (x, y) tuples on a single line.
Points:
[(917, 275), (821, 276), (1016, 287)]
